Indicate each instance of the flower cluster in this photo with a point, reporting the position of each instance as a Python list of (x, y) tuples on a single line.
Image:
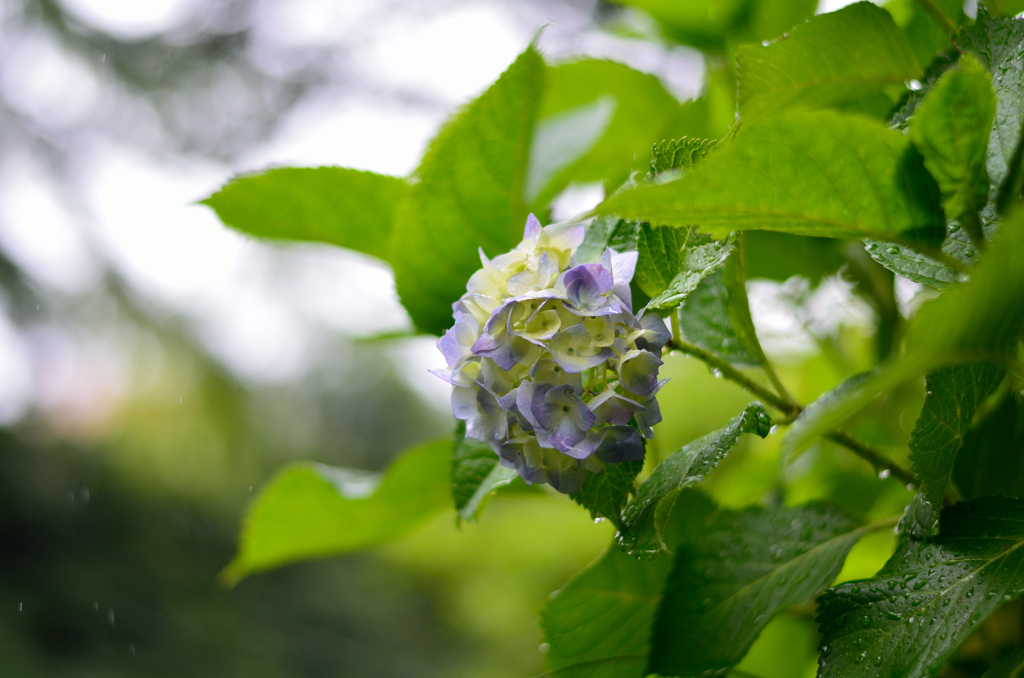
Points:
[(548, 363)]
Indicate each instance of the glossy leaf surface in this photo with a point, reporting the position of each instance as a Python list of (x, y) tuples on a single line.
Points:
[(818, 173), (912, 615)]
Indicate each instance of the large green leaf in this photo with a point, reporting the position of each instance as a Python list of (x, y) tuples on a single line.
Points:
[(705, 320), (643, 522), (738, 570), (475, 475), (981, 320), (991, 461), (639, 111), (925, 35), (952, 396), (335, 205), (713, 24), (469, 195), (599, 624), (673, 262), (911, 616), (311, 511), (820, 173), (951, 130), (835, 59)]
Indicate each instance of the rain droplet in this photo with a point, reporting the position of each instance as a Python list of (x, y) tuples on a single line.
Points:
[(884, 473)]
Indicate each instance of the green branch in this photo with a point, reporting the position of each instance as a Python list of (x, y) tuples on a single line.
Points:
[(936, 13), (792, 409)]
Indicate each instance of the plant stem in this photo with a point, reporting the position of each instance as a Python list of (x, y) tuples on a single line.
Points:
[(792, 408), (936, 13), (872, 456), (734, 375)]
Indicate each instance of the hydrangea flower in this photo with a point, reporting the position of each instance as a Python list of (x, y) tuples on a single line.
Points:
[(547, 362)]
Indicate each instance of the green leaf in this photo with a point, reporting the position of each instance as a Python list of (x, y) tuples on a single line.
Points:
[(312, 511), (833, 60), (681, 154), (605, 494), (980, 320), (820, 173), (605, 232), (925, 35), (911, 616), (335, 205), (705, 320), (991, 461), (711, 24), (779, 256), (951, 130), (639, 109), (475, 475), (740, 569), (469, 195), (643, 522), (952, 396), (998, 45), (564, 138), (699, 257), (599, 624)]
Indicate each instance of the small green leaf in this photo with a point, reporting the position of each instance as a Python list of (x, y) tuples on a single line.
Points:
[(599, 624), (820, 173), (469, 195), (643, 522), (605, 232), (911, 616), (605, 494), (681, 153), (980, 320), (952, 396), (833, 60), (475, 475), (951, 130), (312, 511), (335, 205), (738, 570), (991, 461)]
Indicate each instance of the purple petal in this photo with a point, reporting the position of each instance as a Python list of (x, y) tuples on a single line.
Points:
[(586, 447), (533, 228), (620, 443), (653, 323), (638, 372), (585, 284), (564, 474)]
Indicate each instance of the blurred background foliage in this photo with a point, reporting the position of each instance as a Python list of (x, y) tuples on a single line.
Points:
[(155, 369)]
